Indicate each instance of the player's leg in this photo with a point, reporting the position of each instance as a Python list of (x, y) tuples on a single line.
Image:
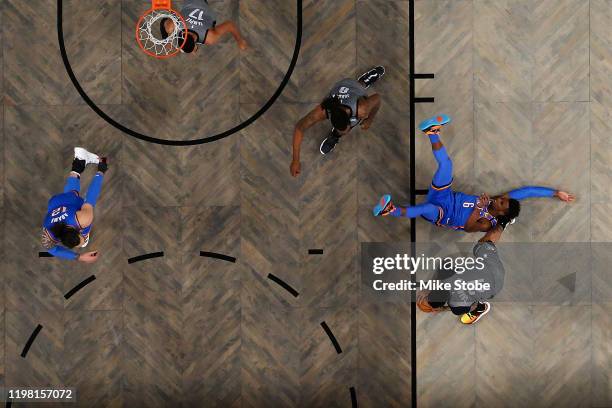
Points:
[(95, 187), (93, 192), (385, 207), (73, 182), (443, 176), (371, 76)]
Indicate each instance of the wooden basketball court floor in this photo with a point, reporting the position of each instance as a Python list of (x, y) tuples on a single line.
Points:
[(528, 84)]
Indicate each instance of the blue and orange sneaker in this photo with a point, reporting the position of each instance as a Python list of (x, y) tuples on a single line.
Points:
[(438, 120), (384, 206)]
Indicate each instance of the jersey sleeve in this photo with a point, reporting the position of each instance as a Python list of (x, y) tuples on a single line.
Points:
[(531, 192), (64, 253)]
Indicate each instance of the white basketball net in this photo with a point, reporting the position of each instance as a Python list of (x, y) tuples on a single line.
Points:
[(155, 44)]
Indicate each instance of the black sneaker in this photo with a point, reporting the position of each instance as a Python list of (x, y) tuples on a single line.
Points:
[(372, 76), (329, 143), (78, 166), (480, 307), (103, 165)]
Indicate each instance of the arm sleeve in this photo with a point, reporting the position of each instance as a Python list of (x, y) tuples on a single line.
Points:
[(531, 192), (64, 253)]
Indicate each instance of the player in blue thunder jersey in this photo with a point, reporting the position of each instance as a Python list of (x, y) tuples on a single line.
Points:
[(460, 211), (69, 216)]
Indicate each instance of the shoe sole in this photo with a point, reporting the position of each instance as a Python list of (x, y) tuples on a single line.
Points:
[(441, 122), (83, 154), (379, 208), (374, 69)]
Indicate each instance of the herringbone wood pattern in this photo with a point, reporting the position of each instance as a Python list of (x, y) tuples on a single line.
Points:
[(529, 106), (528, 65)]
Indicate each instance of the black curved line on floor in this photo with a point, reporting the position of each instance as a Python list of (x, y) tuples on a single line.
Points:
[(315, 252), (331, 337), (218, 256), (45, 255), (28, 344), (79, 286), (145, 256), (353, 397), (283, 284), (150, 139)]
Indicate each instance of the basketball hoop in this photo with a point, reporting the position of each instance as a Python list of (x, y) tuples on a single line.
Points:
[(149, 23)]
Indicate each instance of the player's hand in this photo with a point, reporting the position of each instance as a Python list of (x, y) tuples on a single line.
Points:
[(89, 257), (295, 168), (242, 44), (484, 199), (566, 197), (365, 125)]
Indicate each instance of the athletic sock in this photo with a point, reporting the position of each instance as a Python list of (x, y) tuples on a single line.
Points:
[(396, 213), (434, 138), (78, 165)]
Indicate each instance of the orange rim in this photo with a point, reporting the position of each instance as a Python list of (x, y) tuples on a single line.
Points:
[(161, 4), (156, 5)]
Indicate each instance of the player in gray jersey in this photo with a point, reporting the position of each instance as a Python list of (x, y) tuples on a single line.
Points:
[(471, 305), (202, 27), (346, 106)]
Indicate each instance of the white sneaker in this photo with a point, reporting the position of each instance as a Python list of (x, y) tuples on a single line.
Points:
[(83, 154)]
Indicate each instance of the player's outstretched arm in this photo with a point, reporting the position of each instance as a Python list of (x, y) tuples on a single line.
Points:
[(59, 251), (63, 253), (536, 192), (228, 27), (313, 117), (374, 102), (481, 225), (493, 235)]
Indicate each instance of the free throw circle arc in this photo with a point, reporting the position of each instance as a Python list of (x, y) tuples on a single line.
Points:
[(151, 139)]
